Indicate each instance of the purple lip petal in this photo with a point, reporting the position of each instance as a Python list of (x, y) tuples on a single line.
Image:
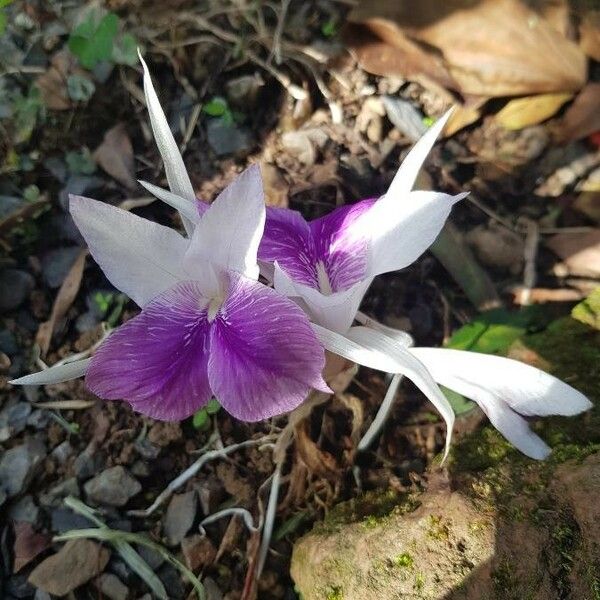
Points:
[(287, 239), (201, 206), (340, 246), (264, 356), (158, 360)]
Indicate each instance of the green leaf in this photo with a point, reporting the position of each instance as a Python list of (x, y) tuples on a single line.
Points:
[(460, 405), (329, 28), (125, 50), (217, 107), (80, 88), (4, 3), (200, 419), (213, 406), (3, 19), (92, 44)]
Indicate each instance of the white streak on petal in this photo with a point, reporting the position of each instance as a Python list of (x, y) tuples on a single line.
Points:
[(230, 230), (175, 170), (141, 258), (186, 208), (527, 390), (374, 350), (56, 374)]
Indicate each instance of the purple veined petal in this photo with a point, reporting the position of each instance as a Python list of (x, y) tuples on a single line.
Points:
[(264, 356), (229, 232), (186, 209), (340, 245), (335, 311), (177, 175), (527, 390), (158, 360), (400, 232), (287, 240), (55, 374), (405, 177), (141, 258)]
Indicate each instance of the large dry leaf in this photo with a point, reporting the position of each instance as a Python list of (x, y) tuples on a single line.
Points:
[(490, 47), (580, 252), (531, 110), (115, 156), (589, 34), (65, 297), (582, 118)]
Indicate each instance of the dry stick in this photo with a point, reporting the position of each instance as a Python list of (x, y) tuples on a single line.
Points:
[(532, 239), (276, 48)]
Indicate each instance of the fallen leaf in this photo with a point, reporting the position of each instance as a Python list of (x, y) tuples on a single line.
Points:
[(588, 203), (28, 544), (580, 252), (582, 118), (489, 48), (531, 110), (464, 115), (589, 34), (318, 461), (65, 297), (53, 83), (115, 156)]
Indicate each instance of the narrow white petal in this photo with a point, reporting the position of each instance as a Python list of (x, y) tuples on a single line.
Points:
[(139, 257), (527, 390), (376, 351), (402, 337), (229, 232), (334, 311), (405, 177), (186, 208), (402, 230), (56, 374), (175, 170)]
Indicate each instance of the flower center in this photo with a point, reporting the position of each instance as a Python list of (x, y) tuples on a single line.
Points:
[(214, 306), (323, 279)]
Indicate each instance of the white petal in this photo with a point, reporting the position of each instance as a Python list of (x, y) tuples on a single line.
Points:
[(402, 230), (334, 311), (372, 349), (527, 390), (56, 374), (175, 170), (402, 337), (186, 208), (139, 257), (405, 177), (229, 232)]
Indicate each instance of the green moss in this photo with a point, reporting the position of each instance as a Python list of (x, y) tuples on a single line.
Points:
[(335, 593), (404, 560), (588, 311), (419, 582), (437, 528)]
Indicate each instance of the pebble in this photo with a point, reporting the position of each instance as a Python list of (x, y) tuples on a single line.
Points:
[(24, 510), (62, 452), (146, 449), (180, 517), (112, 587), (88, 463), (57, 263), (198, 551), (38, 419), (62, 519), (113, 487), (41, 595), (152, 557), (13, 419), (19, 466), (169, 575), (56, 494), (15, 286)]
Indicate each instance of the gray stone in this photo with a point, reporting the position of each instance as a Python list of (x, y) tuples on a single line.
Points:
[(38, 419), (13, 419), (19, 466), (15, 286), (113, 487), (112, 587), (42, 595), (62, 452), (227, 139), (146, 449), (180, 517), (152, 557), (404, 117), (63, 520), (56, 494), (169, 575), (8, 343), (24, 509), (88, 463), (140, 468), (56, 264)]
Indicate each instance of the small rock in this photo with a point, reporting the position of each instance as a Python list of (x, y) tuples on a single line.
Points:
[(169, 575), (56, 494), (243, 91), (213, 591), (18, 587), (28, 545), (303, 144), (41, 595), (39, 418), (88, 463), (180, 517), (152, 557), (62, 519), (162, 433), (224, 138), (198, 551), (56, 265), (76, 563), (13, 419), (112, 587), (24, 510), (140, 469), (147, 449), (20, 465), (15, 286), (113, 487), (62, 452), (211, 493)]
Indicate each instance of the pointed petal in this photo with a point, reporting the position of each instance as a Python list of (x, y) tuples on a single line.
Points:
[(139, 257), (527, 390), (287, 240), (229, 233), (177, 176), (56, 374), (335, 311), (401, 231), (342, 250), (158, 360), (265, 357), (405, 178), (374, 350), (186, 209)]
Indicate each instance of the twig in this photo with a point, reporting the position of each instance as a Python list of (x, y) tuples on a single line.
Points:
[(229, 512), (267, 530), (532, 240), (276, 48)]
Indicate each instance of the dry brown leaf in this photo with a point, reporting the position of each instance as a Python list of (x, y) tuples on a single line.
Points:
[(355, 406), (531, 110), (28, 544), (580, 252), (318, 461), (65, 297), (582, 118), (115, 156), (490, 48), (463, 116), (275, 185), (53, 83), (588, 203)]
